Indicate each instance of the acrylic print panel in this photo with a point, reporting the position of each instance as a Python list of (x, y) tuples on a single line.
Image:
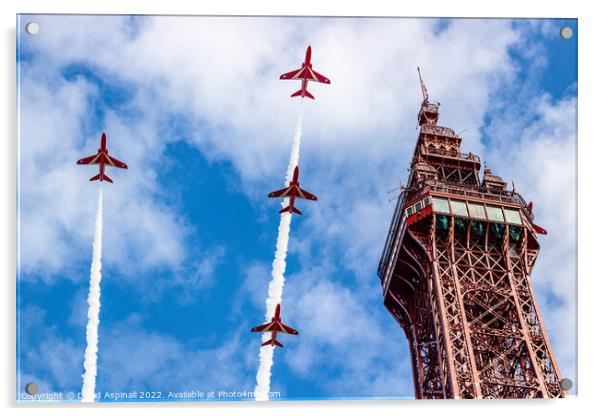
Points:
[(149, 249)]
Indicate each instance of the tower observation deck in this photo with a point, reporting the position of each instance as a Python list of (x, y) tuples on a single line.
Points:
[(455, 273)]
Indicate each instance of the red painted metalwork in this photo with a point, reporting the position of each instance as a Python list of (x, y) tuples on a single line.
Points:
[(458, 284)]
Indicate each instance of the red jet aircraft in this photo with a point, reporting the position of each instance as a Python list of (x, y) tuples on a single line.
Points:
[(305, 73), (538, 229), (274, 327), (102, 158), (293, 191)]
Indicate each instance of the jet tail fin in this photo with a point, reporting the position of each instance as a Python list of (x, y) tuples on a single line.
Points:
[(274, 342), (300, 93), (104, 178), (290, 209)]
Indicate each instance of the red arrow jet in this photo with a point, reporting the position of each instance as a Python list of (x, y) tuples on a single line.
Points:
[(102, 159), (293, 191), (537, 228), (274, 327), (305, 74)]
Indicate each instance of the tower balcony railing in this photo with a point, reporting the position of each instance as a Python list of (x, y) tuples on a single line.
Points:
[(426, 106), (450, 153), (471, 191), (438, 130)]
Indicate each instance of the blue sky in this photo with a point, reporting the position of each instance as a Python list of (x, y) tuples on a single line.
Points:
[(195, 108)]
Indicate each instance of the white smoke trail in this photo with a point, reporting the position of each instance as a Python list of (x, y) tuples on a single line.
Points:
[(90, 358), (266, 353)]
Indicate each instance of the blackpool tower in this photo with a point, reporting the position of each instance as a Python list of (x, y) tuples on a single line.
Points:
[(455, 273)]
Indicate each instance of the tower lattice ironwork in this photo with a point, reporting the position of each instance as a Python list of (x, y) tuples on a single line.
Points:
[(455, 275)]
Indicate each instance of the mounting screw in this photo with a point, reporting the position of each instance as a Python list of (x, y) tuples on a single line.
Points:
[(566, 32), (31, 388), (32, 28), (566, 384)]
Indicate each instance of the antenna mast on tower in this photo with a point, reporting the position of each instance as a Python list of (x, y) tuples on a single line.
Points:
[(425, 93)]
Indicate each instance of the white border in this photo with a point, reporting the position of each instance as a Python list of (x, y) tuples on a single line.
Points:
[(590, 136)]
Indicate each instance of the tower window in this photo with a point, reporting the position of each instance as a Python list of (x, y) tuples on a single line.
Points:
[(476, 211), (418, 206), (441, 205), (458, 208), (494, 213), (512, 216)]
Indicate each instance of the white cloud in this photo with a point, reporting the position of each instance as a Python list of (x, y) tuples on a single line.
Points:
[(197, 278), (221, 73), (132, 358), (57, 201), (53, 362), (254, 287), (340, 329), (205, 269)]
